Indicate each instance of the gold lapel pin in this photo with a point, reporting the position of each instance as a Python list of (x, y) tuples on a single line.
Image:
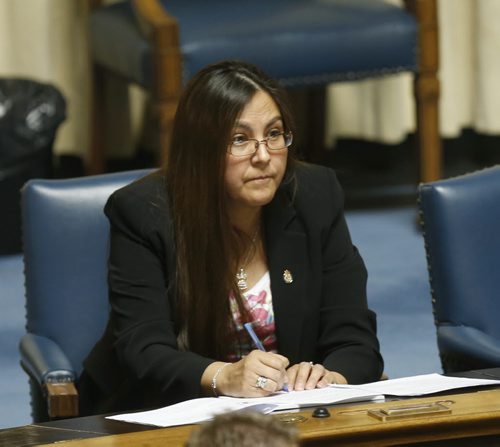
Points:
[(287, 276)]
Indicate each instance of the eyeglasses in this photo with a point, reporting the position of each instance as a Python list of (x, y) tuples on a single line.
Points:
[(241, 146)]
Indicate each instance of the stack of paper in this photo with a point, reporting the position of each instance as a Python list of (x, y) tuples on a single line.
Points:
[(203, 409)]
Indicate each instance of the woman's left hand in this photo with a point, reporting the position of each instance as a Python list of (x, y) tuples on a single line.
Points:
[(307, 376)]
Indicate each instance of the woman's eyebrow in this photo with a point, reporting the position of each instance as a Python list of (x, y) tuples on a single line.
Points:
[(245, 126)]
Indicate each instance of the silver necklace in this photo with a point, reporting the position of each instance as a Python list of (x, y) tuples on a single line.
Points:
[(241, 276)]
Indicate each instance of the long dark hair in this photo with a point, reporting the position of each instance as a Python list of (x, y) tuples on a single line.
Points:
[(208, 247)]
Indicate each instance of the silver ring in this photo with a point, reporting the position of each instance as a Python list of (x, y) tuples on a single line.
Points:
[(261, 382)]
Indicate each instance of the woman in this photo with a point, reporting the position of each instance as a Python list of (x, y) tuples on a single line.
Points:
[(233, 231)]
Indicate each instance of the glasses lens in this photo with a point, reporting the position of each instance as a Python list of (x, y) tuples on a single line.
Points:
[(279, 141), (244, 149), (276, 141), (240, 147)]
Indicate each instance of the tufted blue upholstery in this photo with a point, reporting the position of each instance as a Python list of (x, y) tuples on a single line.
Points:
[(299, 42), (461, 222), (65, 237)]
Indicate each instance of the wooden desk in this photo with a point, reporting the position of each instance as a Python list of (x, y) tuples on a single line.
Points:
[(474, 420), (56, 431)]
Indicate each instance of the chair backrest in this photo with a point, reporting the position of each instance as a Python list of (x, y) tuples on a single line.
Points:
[(461, 223), (65, 241)]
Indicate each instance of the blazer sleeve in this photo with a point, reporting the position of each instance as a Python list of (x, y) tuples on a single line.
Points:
[(347, 330), (142, 316)]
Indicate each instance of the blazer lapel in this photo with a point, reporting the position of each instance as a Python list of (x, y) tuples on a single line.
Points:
[(286, 246)]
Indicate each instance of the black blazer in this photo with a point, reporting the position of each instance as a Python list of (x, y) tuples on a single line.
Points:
[(322, 316)]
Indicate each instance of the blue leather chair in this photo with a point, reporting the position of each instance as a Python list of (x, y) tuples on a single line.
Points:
[(160, 44), (65, 239), (461, 224)]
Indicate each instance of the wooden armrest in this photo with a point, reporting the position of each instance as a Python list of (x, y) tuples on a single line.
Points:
[(62, 399), (162, 31), (155, 22)]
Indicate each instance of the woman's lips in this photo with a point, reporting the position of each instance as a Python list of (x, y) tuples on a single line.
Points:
[(260, 179)]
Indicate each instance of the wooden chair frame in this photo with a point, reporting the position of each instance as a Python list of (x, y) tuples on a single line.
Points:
[(162, 31)]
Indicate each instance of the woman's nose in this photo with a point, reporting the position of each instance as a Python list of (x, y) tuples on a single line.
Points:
[(262, 152)]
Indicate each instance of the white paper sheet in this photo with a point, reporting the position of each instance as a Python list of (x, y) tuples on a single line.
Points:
[(423, 384), (191, 412), (204, 409), (307, 398)]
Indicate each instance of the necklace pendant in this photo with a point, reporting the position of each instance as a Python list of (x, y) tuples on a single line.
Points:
[(287, 276), (241, 279)]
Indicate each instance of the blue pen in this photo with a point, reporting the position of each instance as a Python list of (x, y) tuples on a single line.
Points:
[(258, 344)]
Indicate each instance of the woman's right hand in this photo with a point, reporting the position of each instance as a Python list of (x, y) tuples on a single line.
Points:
[(240, 379)]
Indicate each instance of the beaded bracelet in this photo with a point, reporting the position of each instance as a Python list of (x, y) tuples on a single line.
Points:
[(214, 379)]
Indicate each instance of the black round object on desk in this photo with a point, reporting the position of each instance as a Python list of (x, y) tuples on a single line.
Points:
[(321, 412)]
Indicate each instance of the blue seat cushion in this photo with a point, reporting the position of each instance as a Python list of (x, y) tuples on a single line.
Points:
[(299, 42)]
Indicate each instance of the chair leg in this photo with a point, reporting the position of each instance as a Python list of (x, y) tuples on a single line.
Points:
[(95, 162), (428, 138), (427, 91)]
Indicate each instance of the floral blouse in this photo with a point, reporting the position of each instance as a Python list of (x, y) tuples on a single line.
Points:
[(258, 301)]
